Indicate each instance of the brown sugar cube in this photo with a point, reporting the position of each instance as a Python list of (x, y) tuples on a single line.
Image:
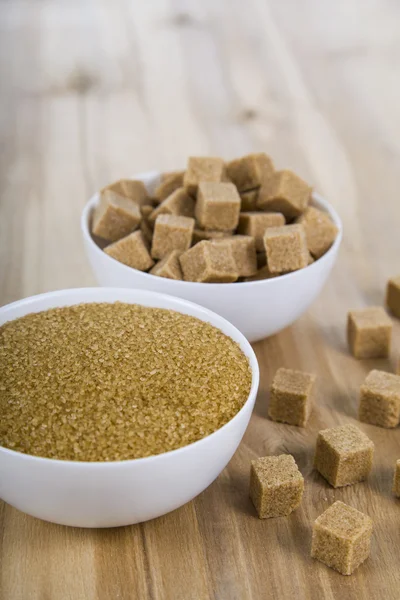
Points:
[(256, 223), (291, 397), (171, 232), (115, 216), (320, 231), (393, 296), (380, 399), (130, 188), (217, 206), (343, 455), (208, 262), (341, 538), (261, 259), (244, 253), (369, 332), (248, 200), (169, 266), (286, 248), (201, 234), (266, 170), (177, 203), (310, 259), (284, 192), (169, 183), (244, 172), (146, 210), (131, 251), (146, 230), (202, 168), (276, 485), (396, 480), (262, 273), (266, 166)]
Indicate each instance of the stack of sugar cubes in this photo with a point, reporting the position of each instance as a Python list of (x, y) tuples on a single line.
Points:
[(215, 222)]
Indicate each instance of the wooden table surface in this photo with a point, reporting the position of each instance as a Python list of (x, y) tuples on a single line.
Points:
[(93, 91)]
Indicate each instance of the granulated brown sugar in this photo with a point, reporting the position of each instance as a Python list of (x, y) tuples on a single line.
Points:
[(115, 381)]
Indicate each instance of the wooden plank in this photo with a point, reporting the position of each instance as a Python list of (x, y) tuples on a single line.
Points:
[(95, 91)]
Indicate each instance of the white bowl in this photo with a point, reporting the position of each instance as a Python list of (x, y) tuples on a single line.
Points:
[(257, 308), (110, 494)]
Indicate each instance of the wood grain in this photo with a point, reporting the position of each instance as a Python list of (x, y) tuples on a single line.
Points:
[(97, 91)]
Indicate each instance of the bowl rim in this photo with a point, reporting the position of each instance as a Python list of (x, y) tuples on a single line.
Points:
[(202, 315), (173, 284)]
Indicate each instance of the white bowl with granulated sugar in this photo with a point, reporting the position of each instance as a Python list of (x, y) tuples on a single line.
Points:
[(257, 308), (121, 492)]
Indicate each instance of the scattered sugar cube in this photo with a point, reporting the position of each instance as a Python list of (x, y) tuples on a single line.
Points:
[(393, 296), (132, 251), (169, 266), (208, 262), (291, 397), (320, 231), (169, 183), (244, 253), (217, 206), (276, 485), (286, 248), (284, 192), (341, 538), (248, 200), (256, 223), (396, 480), (171, 232), (177, 203), (115, 216), (369, 332), (201, 234), (130, 188), (244, 172), (202, 168), (380, 399), (343, 455)]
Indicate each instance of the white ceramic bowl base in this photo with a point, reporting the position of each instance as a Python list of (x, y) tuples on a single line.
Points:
[(258, 309), (110, 494)]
